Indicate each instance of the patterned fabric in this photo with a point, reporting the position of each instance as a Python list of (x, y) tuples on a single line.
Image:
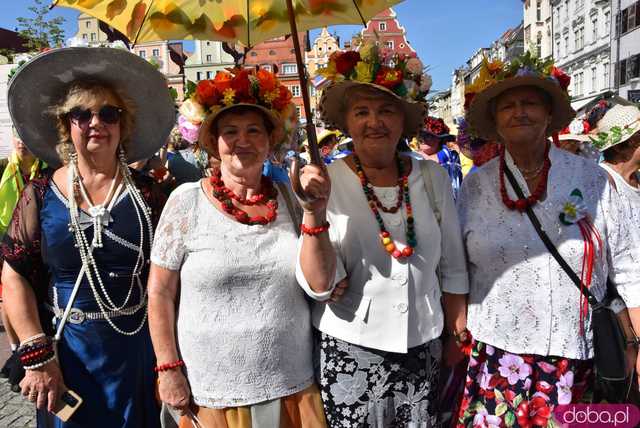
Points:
[(520, 299), (504, 389), (243, 326), (363, 387)]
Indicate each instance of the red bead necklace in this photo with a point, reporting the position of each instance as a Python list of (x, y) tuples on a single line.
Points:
[(226, 196), (403, 188), (523, 203)]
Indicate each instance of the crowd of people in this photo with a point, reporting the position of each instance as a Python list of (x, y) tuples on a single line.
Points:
[(164, 271)]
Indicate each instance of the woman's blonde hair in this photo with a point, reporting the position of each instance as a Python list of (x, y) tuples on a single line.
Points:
[(82, 93)]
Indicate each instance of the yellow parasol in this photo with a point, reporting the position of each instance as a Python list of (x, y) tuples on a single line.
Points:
[(248, 22)]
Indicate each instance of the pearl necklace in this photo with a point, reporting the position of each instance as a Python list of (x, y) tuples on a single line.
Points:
[(89, 265)]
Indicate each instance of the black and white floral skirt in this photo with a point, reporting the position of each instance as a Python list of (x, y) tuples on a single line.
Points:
[(363, 387)]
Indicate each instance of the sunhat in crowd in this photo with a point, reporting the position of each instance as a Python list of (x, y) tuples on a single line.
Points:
[(618, 125), (436, 127), (230, 89), (44, 81), (526, 70), (401, 76)]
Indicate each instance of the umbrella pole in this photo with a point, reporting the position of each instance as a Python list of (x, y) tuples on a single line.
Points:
[(304, 84)]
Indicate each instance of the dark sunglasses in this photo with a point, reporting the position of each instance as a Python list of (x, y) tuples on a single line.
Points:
[(107, 114)]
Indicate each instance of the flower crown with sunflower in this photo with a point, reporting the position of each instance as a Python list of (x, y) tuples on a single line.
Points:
[(231, 87), (402, 74), (524, 65)]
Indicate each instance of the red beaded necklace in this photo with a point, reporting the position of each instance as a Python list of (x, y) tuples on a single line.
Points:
[(523, 203), (226, 196), (403, 189)]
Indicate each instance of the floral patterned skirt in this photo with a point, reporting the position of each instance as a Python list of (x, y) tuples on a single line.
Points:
[(511, 390), (363, 387)]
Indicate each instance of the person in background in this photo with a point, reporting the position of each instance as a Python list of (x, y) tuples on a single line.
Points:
[(16, 171)]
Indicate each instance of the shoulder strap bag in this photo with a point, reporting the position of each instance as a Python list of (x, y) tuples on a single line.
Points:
[(608, 337)]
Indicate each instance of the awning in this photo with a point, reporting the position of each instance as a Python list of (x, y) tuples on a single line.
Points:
[(577, 105)]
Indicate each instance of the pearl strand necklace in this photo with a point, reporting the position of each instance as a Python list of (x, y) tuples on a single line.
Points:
[(86, 250)]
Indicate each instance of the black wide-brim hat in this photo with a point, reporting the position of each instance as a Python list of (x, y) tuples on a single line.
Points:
[(44, 81)]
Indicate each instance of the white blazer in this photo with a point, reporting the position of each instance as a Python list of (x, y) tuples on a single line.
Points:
[(389, 305)]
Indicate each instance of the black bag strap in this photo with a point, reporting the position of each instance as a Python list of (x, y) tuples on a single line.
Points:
[(547, 242)]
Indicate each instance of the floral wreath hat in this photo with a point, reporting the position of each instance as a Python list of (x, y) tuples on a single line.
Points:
[(526, 70), (230, 89), (402, 76)]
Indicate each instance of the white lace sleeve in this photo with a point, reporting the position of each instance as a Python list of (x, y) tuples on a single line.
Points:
[(173, 228)]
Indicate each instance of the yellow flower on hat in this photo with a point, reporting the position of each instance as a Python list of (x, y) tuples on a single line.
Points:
[(367, 52), (271, 95), (229, 95), (364, 72)]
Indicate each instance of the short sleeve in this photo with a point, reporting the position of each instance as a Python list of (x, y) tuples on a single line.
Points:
[(21, 245), (173, 228)]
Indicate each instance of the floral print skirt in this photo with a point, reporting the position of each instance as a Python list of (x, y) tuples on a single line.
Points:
[(363, 387), (519, 390)]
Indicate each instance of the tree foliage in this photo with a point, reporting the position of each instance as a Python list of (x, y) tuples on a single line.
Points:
[(39, 30)]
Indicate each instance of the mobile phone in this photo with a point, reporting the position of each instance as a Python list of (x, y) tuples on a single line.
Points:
[(67, 404)]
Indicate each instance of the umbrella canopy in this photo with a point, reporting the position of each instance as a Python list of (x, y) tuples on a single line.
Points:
[(246, 21)]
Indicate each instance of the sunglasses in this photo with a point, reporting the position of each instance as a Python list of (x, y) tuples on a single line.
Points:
[(108, 114)]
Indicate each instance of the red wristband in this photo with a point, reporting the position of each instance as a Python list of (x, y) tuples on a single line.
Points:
[(314, 231), (168, 366)]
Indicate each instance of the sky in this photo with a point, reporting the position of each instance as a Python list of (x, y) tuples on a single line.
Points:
[(444, 33)]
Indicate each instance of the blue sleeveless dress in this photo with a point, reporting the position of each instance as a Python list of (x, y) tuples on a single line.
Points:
[(112, 372)]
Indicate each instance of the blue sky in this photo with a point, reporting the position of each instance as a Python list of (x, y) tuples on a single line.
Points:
[(445, 33)]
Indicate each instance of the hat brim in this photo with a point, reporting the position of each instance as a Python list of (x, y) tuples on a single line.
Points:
[(582, 137), (44, 81), (210, 145), (480, 116), (635, 128), (332, 113)]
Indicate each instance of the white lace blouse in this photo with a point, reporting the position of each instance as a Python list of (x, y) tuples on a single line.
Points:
[(243, 324), (520, 299)]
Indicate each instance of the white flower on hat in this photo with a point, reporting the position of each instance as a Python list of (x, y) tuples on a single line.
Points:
[(412, 88), (425, 83), (192, 111), (118, 44), (414, 66), (576, 127)]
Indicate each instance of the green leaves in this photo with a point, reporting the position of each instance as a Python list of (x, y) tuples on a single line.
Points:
[(39, 31)]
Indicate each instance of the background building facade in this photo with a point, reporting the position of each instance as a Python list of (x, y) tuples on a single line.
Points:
[(625, 49), (207, 59), (537, 28)]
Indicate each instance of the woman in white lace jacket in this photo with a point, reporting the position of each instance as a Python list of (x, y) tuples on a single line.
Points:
[(230, 328), (532, 345)]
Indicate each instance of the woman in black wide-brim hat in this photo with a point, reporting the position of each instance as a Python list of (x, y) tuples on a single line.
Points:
[(80, 238)]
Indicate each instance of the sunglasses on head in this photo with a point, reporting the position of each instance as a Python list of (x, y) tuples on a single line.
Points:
[(107, 114)]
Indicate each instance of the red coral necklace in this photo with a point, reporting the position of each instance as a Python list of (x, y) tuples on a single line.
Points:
[(226, 196), (523, 203)]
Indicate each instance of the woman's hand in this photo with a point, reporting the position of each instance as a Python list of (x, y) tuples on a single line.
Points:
[(338, 291), (44, 385), (315, 182), (451, 354), (174, 390)]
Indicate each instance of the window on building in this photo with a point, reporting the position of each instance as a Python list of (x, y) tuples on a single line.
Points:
[(538, 10), (566, 45), (632, 17), (607, 23), (209, 58), (142, 54), (312, 90), (539, 45), (88, 24), (633, 67), (289, 69), (578, 35), (93, 36), (85, 36), (382, 26), (388, 44), (210, 75), (622, 68), (605, 75), (594, 79), (295, 90), (594, 29), (298, 111), (566, 10), (272, 52), (199, 76), (624, 21), (557, 49), (208, 43), (254, 53), (267, 67), (156, 53)]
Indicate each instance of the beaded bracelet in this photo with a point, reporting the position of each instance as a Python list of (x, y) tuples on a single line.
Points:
[(32, 339), (314, 231), (168, 366), (41, 363)]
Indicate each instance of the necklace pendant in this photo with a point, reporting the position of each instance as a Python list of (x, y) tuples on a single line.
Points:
[(97, 211)]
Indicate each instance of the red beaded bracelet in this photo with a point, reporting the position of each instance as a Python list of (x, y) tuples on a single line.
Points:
[(168, 366), (314, 231)]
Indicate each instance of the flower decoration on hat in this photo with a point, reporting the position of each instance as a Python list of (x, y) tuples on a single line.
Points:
[(525, 65), (404, 75), (231, 87), (435, 126), (577, 127)]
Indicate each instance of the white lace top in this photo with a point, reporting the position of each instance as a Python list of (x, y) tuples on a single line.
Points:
[(243, 324), (520, 298)]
